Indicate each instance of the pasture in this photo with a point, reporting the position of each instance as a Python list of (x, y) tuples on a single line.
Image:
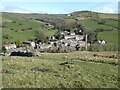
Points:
[(18, 27), (93, 24), (109, 37), (78, 69)]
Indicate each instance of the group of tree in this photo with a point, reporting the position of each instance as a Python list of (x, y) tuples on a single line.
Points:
[(64, 24), (59, 23)]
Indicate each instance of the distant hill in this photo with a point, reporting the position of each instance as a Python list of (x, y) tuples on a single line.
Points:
[(91, 14)]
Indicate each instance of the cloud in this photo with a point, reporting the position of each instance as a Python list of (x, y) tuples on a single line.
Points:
[(16, 9), (12, 8), (1, 8), (107, 9)]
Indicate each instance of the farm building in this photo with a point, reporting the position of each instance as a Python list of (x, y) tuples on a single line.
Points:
[(77, 37), (29, 43)]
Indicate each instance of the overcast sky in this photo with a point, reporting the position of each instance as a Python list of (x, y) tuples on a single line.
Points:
[(58, 7)]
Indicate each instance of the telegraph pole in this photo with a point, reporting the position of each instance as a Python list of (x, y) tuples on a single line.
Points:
[(86, 35)]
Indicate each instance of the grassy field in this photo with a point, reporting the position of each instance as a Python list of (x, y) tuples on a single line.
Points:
[(17, 26), (22, 36), (85, 71), (93, 24), (109, 37)]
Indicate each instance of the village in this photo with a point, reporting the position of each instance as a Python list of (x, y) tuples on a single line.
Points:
[(69, 42)]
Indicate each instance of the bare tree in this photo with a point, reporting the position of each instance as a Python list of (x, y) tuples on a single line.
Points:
[(41, 36)]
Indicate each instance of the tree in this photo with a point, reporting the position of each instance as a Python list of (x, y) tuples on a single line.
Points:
[(6, 36), (41, 36), (3, 49), (92, 37), (83, 28), (58, 35)]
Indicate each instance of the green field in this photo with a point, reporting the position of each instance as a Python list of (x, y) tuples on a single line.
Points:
[(17, 26), (22, 36), (109, 37), (85, 71), (92, 24)]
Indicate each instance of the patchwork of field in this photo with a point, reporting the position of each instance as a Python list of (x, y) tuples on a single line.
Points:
[(18, 27), (21, 27), (78, 69)]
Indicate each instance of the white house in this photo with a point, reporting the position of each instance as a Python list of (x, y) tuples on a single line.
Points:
[(79, 37), (69, 37), (101, 41), (10, 46), (72, 33), (68, 15)]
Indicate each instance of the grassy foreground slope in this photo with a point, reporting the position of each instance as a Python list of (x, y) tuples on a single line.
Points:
[(85, 71)]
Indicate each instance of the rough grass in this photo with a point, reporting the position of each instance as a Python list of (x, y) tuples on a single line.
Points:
[(80, 74)]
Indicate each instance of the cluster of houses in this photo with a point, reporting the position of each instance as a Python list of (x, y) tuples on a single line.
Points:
[(70, 40)]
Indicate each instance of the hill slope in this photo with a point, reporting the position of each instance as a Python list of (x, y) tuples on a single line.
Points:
[(22, 27)]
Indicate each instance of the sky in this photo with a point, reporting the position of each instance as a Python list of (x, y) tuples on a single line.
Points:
[(58, 7)]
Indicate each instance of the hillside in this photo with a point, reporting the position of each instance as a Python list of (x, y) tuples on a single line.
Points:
[(92, 14), (20, 28), (24, 26)]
